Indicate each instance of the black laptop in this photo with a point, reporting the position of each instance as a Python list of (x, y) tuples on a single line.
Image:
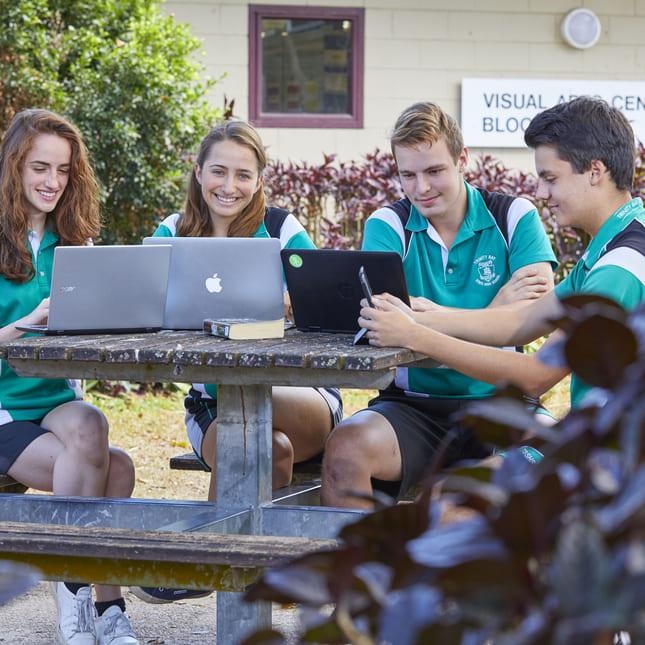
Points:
[(325, 290)]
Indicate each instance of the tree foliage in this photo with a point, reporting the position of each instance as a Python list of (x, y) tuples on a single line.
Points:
[(127, 76)]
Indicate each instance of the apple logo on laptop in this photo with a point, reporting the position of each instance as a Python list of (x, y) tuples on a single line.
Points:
[(214, 284)]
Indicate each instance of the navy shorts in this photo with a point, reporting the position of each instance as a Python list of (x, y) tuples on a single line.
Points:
[(421, 423), (201, 411), (15, 436)]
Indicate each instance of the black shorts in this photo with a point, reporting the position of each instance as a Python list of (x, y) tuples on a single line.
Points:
[(15, 436), (421, 423)]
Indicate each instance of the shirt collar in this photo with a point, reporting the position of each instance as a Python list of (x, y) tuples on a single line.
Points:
[(49, 239), (262, 231), (616, 223), (476, 219)]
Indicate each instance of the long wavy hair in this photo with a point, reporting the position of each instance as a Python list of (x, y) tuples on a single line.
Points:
[(196, 220), (75, 219)]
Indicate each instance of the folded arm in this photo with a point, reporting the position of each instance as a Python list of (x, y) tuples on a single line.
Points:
[(527, 283)]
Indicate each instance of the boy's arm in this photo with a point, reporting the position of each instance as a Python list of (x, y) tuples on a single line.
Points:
[(527, 283), (531, 260), (391, 326), (515, 324)]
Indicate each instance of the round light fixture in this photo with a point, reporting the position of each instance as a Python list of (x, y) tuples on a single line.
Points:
[(581, 28)]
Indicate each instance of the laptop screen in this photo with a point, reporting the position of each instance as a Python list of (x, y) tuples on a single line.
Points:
[(325, 289), (214, 277)]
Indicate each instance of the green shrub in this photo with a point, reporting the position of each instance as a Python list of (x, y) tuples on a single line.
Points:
[(127, 76)]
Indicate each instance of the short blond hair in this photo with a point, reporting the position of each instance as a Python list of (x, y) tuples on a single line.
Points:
[(426, 122)]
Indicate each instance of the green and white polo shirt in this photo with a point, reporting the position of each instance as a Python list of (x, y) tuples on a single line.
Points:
[(612, 266), (499, 235), (30, 398)]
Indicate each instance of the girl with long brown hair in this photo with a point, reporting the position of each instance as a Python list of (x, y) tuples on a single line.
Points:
[(49, 438), (226, 199)]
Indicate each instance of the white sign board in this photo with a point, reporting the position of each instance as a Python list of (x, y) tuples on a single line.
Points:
[(496, 111)]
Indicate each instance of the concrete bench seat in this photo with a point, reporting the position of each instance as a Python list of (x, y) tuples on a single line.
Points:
[(150, 557)]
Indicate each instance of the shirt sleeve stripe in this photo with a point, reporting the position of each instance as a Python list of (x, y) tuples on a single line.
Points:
[(516, 212), (290, 228), (625, 258), (388, 216), (171, 223)]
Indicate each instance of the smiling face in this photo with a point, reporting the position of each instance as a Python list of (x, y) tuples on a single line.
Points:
[(229, 178), (568, 193), (433, 180), (45, 173)]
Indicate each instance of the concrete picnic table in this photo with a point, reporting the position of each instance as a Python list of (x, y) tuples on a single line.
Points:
[(245, 371)]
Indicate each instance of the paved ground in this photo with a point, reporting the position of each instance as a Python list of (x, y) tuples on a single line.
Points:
[(30, 619)]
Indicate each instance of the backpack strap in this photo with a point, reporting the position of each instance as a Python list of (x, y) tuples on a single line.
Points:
[(498, 205), (402, 208), (274, 219)]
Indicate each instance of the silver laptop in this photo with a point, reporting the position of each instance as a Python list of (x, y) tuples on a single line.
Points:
[(107, 289), (223, 278)]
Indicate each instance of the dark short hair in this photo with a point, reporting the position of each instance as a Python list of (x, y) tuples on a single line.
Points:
[(585, 129)]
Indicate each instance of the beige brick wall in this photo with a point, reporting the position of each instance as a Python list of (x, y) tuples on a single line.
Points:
[(421, 49)]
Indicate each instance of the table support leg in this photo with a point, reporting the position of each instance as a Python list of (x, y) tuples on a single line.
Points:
[(237, 619), (244, 433)]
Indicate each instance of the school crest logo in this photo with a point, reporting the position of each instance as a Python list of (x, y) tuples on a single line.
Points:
[(486, 271)]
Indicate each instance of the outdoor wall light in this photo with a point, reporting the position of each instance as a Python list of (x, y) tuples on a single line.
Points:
[(581, 28)]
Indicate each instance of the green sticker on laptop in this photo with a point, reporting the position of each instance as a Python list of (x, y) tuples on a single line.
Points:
[(295, 260)]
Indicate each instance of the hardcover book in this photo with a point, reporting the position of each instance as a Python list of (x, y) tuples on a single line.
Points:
[(245, 328)]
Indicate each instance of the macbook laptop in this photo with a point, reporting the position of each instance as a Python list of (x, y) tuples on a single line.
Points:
[(222, 278), (324, 286), (107, 289)]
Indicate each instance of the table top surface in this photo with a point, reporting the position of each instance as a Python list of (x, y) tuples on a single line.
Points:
[(192, 356)]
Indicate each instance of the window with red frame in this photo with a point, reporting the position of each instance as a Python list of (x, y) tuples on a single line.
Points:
[(306, 66)]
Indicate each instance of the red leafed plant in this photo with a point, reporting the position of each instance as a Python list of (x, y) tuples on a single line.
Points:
[(333, 199)]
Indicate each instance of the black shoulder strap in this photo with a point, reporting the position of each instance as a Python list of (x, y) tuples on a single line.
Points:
[(498, 206), (631, 237), (274, 219), (402, 208)]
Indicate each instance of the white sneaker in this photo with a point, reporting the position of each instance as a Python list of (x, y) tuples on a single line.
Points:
[(114, 628), (76, 615)]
